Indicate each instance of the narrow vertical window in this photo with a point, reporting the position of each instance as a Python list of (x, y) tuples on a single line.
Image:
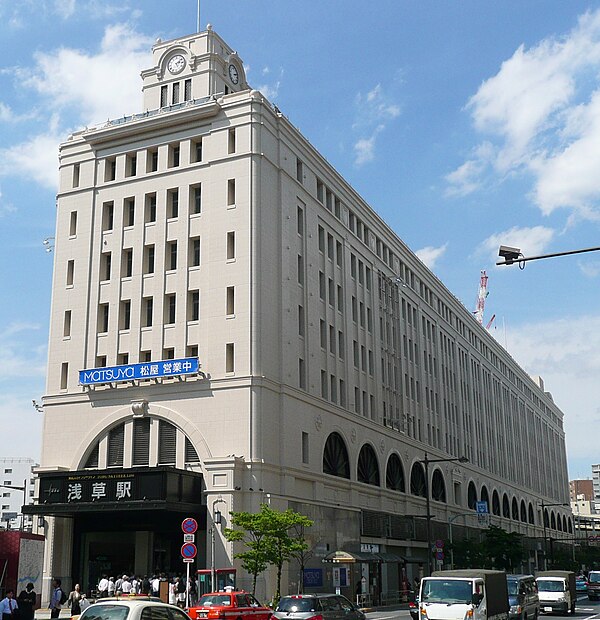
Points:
[(125, 314), (230, 300), (197, 150), (172, 255), (305, 448), (300, 221), (103, 318), (194, 258), (230, 357), (107, 216), (73, 224), (231, 141), (152, 160), (64, 375), (196, 198), (75, 175), (300, 270), (231, 245), (301, 374), (110, 169), (131, 165), (299, 171), (187, 90), (129, 212), (323, 333), (176, 92), (127, 263), (231, 192), (173, 203), (324, 386), (342, 393), (148, 312), (145, 356), (70, 272), (170, 309), (333, 388), (67, 324), (321, 239), (320, 190), (106, 266), (149, 259), (164, 96), (301, 321), (194, 305)]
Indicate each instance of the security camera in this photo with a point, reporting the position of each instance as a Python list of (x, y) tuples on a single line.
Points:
[(510, 255)]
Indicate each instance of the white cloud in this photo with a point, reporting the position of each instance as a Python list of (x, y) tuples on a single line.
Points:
[(64, 8), (5, 207), (531, 241), (18, 414), (364, 148), (542, 112), (566, 353), (19, 359), (430, 255), (270, 91), (590, 269)]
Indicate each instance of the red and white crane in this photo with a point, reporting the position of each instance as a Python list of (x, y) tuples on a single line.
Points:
[(483, 293)]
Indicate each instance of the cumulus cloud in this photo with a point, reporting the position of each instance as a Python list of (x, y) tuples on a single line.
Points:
[(531, 241), (5, 207), (269, 90), (374, 111), (430, 255), (18, 357), (64, 8), (566, 354), (541, 111)]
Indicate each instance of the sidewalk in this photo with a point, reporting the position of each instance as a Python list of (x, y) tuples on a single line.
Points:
[(395, 607)]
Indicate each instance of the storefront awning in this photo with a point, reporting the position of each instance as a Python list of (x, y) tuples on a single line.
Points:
[(353, 557)]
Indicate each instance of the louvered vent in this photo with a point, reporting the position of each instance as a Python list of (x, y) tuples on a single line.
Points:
[(167, 443), (141, 442), (116, 444)]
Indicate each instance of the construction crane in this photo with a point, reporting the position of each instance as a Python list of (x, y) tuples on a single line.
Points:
[(483, 293)]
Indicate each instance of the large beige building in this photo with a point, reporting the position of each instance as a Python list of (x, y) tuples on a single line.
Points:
[(331, 360)]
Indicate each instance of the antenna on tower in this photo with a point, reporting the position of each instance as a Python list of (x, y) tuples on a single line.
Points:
[(483, 293), (198, 18)]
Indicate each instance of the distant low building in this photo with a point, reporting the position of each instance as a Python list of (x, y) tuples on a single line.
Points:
[(16, 472)]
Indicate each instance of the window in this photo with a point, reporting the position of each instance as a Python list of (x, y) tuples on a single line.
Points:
[(100, 361), (192, 351), (229, 357), (330, 246), (73, 224), (64, 375), (171, 255), (187, 90), (173, 203), (170, 307), (231, 192), (300, 270), (332, 339), (103, 318), (141, 442), (123, 359), (150, 209), (324, 386), (194, 305), (75, 175), (105, 268), (231, 245), (196, 151), (196, 198), (300, 221), (116, 446), (67, 324), (110, 169), (341, 343), (131, 165), (231, 141), (164, 96), (319, 190), (321, 239), (127, 263), (107, 216), (147, 312), (230, 300), (323, 333), (301, 374), (145, 356), (125, 314), (149, 259), (175, 93), (194, 258), (299, 171), (301, 321), (305, 448), (173, 155), (129, 212), (169, 354), (70, 272), (152, 160), (333, 388), (322, 291)]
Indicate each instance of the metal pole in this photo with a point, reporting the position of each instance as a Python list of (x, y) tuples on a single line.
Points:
[(187, 586), (544, 523), (428, 509), (212, 558)]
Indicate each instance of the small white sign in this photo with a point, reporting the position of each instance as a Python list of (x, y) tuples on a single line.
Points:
[(369, 547), (188, 560), (189, 538)]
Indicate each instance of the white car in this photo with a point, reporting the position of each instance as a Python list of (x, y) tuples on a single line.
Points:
[(137, 609)]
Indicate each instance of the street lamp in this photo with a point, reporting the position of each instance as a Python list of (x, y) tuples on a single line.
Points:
[(18, 488), (450, 521), (425, 461), (514, 255), (217, 520), (544, 506)]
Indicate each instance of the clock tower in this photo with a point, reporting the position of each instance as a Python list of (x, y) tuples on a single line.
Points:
[(190, 68)]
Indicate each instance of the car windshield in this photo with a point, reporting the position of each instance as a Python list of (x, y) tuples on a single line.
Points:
[(545, 585), (103, 611), (594, 578), (210, 600), (297, 604), (513, 587), (447, 591)]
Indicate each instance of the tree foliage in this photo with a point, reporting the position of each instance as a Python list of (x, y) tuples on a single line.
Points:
[(270, 537), (499, 549)]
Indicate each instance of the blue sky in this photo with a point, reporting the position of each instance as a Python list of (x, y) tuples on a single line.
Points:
[(464, 124)]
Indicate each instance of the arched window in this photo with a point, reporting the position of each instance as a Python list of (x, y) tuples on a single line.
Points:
[(394, 474), (367, 470), (523, 511), (417, 480), (546, 519), (495, 503), (552, 520), (438, 487), (515, 509), (472, 496), (505, 506), (558, 523), (531, 515), (335, 457), (570, 526), (485, 497)]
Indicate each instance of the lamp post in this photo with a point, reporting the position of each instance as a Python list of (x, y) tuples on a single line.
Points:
[(425, 461), (24, 490), (217, 519), (544, 506), (514, 255), (450, 521)]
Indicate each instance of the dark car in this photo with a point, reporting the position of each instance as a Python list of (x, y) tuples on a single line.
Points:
[(522, 597), (307, 606)]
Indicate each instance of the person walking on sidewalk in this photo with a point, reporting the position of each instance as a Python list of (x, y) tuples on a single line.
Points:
[(8, 606), (27, 600), (56, 598), (74, 601)]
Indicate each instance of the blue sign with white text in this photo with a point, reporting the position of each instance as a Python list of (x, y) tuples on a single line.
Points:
[(313, 577), (146, 370)]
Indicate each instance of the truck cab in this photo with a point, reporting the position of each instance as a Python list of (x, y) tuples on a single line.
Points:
[(593, 585), (557, 591)]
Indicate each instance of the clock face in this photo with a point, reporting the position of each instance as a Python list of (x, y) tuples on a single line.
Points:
[(176, 64), (233, 74)]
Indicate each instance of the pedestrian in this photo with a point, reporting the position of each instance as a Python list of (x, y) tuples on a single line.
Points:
[(27, 601), (56, 598), (173, 591), (126, 585), (155, 586), (111, 586), (193, 586), (103, 587), (135, 585), (119, 585), (84, 603), (8, 606), (180, 588), (74, 601)]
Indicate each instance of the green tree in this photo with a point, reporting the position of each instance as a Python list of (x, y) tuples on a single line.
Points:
[(266, 536), (503, 549)]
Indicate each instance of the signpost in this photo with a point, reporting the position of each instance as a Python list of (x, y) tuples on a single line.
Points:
[(189, 550), (483, 514)]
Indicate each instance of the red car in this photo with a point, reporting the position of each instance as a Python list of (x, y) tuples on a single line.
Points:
[(229, 606)]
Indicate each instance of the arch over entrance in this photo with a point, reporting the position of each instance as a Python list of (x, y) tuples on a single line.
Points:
[(367, 469), (335, 457)]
